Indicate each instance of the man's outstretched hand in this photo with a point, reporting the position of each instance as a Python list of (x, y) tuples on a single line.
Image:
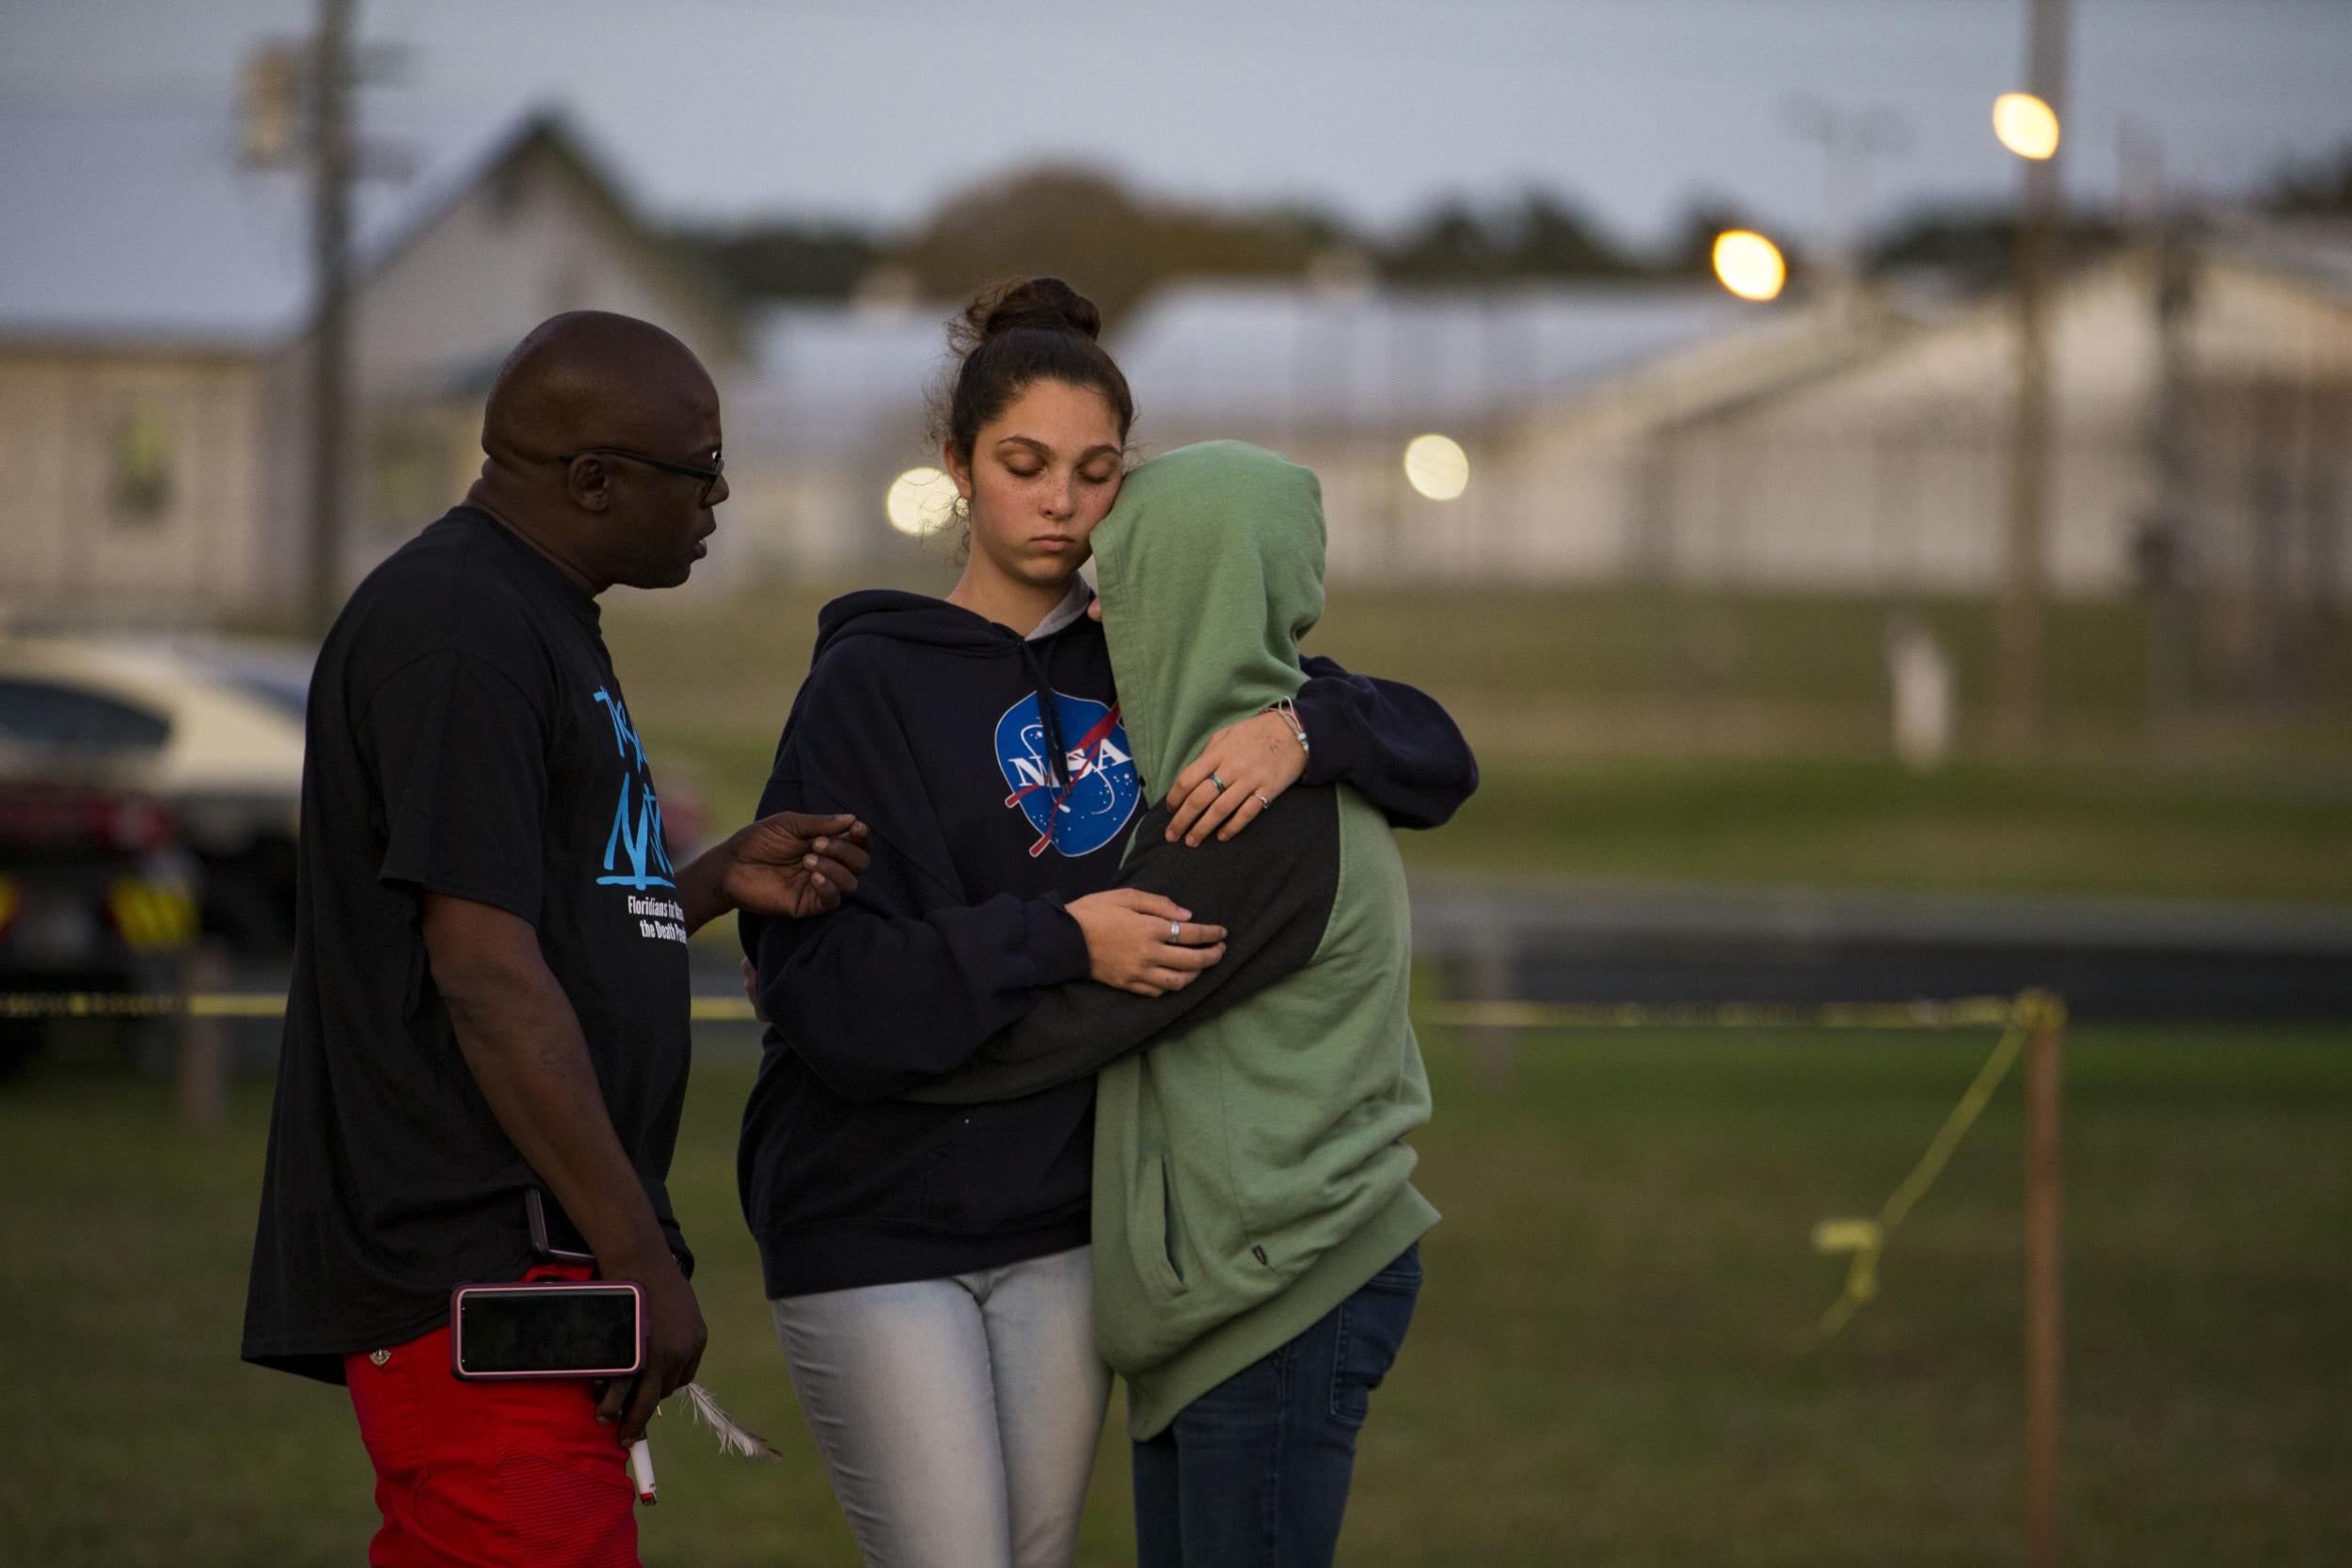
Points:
[(791, 864), (794, 864)]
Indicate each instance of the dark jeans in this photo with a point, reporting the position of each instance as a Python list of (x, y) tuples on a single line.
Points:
[(1254, 1473)]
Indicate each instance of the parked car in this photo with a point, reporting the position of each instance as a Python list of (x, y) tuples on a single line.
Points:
[(95, 896), (209, 730)]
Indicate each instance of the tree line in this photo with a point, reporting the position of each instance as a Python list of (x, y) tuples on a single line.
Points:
[(1086, 222)]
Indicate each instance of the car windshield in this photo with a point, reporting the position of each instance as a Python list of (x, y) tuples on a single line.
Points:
[(287, 690), (46, 714)]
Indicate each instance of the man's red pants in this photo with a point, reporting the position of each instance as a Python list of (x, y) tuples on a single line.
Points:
[(488, 1475)]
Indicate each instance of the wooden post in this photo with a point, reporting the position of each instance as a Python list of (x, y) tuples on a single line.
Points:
[(200, 1076), (2045, 1026)]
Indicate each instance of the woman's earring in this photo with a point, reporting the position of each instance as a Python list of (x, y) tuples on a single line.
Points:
[(962, 507)]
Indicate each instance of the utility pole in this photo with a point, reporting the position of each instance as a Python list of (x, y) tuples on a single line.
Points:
[(1849, 140), (331, 166), (2018, 614)]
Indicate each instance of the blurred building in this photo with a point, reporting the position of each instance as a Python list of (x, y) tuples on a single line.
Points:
[(155, 309), (1545, 395), (155, 305), (1342, 379), (833, 408), (1889, 470), (1613, 433)]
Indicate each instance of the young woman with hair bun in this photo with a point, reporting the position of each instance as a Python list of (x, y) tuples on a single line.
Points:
[(927, 1263)]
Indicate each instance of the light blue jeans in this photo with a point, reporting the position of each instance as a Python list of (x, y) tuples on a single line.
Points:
[(959, 1417)]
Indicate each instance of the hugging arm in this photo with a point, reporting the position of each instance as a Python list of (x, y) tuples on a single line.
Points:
[(1273, 893), (907, 976), (1393, 744), (877, 999)]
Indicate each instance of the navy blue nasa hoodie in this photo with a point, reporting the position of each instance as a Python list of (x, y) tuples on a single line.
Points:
[(993, 772)]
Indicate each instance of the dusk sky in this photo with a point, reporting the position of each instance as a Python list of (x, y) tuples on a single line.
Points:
[(872, 109)]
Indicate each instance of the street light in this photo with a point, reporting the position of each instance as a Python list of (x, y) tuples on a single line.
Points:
[(1749, 264), (2026, 125), (1437, 466), (920, 501)]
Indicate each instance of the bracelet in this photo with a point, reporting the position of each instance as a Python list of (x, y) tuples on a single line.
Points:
[(1289, 710)]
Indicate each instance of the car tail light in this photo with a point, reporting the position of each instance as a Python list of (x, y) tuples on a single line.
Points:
[(57, 817), (137, 824)]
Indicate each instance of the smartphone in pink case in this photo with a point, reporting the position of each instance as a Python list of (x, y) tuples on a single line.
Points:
[(553, 1328)]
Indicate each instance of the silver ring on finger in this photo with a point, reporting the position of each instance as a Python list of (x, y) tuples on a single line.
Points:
[(1263, 804), (1219, 780), (1175, 930)]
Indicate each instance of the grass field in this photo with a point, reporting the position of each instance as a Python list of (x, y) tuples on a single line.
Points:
[(1737, 739), (1605, 1369), (1589, 647), (1976, 827)]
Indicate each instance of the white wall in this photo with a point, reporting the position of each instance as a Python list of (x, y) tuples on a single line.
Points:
[(66, 545), (532, 239), (1894, 471)]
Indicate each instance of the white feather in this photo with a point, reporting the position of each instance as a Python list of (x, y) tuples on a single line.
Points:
[(733, 1438)]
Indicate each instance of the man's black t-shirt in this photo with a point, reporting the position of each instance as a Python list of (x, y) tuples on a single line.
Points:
[(467, 737)]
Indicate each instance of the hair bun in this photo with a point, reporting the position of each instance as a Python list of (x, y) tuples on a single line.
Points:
[(1012, 336), (1040, 304)]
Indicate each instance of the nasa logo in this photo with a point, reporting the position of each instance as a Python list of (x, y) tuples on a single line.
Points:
[(1100, 786)]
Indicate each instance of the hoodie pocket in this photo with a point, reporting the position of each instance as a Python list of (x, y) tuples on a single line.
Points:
[(1155, 1232)]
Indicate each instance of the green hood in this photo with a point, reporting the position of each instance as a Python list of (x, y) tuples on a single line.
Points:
[(1211, 569), (1251, 1172)]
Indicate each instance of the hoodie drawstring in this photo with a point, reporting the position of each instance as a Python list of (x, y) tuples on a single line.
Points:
[(1056, 749), (1049, 716)]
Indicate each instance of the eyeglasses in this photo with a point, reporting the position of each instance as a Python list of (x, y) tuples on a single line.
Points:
[(710, 476)]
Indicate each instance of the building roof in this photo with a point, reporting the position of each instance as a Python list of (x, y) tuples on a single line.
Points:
[(838, 377), (1276, 355), (145, 228), (2313, 250), (1257, 356)]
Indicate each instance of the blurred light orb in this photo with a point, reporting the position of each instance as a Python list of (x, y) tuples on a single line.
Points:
[(2026, 125), (1437, 466), (920, 501), (1749, 264)]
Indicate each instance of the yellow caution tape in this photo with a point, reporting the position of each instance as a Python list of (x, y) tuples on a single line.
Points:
[(1867, 1239), (1968, 1013), (2017, 1016), (24, 1005), (1847, 1235)]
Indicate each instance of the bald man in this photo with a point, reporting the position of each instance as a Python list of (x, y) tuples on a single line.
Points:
[(488, 1011)]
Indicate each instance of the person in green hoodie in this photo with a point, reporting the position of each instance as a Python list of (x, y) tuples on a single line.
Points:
[(1255, 1228)]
